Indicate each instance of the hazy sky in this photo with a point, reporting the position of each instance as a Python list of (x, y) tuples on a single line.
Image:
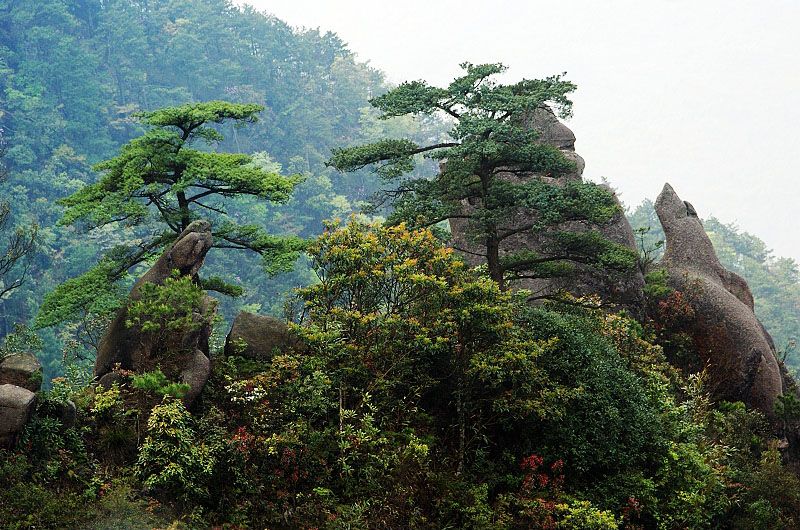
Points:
[(700, 93)]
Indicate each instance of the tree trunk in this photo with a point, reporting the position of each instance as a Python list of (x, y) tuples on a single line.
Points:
[(490, 231), (183, 204), (493, 260)]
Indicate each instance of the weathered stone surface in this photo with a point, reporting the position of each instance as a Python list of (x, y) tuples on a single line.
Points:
[(738, 351), (553, 132), (130, 349), (257, 337), (16, 406), (619, 290), (22, 369), (195, 374), (64, 411)]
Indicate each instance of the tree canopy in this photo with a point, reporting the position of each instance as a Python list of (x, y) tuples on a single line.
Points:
[(161, 179), (493, 169), (18, 242), (160, 173)]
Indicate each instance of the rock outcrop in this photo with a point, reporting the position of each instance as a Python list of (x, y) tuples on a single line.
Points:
[(620, 290), (738, 351), (16, 407), (257, 337), (21, 369), (187, 351)]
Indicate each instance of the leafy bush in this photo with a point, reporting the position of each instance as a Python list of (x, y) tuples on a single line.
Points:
[(611, 425), (168, 307), (171, 460), (581, 515), (157, 383)]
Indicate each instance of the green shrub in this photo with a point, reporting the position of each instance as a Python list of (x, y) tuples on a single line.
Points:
[(156, 382), (582, 515), (172, 460), (612, 425)]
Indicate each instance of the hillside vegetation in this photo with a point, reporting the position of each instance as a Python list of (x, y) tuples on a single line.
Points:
[(269, 290)]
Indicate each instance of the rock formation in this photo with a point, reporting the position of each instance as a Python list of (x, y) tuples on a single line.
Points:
[(738, 351), (16, 407), (20, 379), (21, 369), (622, 291), (131, 349), (257, 337)]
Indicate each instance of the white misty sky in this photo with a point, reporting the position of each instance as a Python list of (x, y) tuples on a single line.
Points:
[(701, 94)]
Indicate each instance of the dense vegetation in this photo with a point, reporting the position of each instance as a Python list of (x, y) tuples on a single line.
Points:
[(420, 392), (425, 397), (73, 76)]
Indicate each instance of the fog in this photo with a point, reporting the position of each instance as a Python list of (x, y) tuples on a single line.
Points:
[(700, 94)]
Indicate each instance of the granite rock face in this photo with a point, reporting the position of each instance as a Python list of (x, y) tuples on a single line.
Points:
[(16, 407), (257, 337), (731, 341), (21, 369), (619, 290), (131, 349)]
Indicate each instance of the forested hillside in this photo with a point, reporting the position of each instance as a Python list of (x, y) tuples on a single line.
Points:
[(246, 283), (75, 73)]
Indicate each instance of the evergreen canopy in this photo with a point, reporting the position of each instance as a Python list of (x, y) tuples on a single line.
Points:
[(160, 173), (161, 178), (491, 144)]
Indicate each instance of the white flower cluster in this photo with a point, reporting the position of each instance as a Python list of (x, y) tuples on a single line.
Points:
[(239, 392)]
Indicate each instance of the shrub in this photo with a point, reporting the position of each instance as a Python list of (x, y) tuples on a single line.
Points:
[(611, 424), (166, 312), (582, 515), (156, 382), (172, 461)]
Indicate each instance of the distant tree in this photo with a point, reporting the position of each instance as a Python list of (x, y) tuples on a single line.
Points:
[(161, 179), (17, 246), (489, 140)]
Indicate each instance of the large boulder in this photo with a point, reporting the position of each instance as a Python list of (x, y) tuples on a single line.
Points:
[(21, 369), (732, 343), (257, 337), (183, 355), (620, 290), (16, 406)]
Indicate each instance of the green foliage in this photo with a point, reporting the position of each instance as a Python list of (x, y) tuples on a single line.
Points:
[(171, 306), (49, 479), (159, 175), (170, 459), (656, 284), (107, 400), (217, 284), (423, 396), (490, 145), (25, 505), (611, 426), (121, 508), (787, 407), (157, 383), (89, 294), (581, 515), (73, 77), (160, 168), (22, 339)]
